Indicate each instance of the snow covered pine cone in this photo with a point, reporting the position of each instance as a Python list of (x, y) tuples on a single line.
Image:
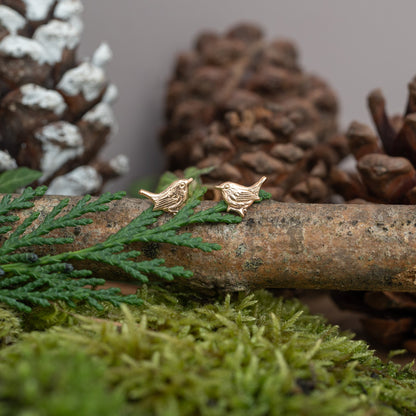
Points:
[(55, 112), (244, 106), (385, 174)]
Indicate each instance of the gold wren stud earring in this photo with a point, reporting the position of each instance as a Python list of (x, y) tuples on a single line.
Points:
[(239, 197), (172, 199)]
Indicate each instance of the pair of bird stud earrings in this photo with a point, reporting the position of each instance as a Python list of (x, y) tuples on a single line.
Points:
[(237, 197)]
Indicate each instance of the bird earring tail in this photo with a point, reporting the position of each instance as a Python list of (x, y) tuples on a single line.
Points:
[(239, 197), (171, 199)]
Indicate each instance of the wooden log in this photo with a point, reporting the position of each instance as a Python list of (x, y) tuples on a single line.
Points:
[(279, 245)]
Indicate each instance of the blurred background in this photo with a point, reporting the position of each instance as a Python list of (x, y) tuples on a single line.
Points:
[(356, 46)]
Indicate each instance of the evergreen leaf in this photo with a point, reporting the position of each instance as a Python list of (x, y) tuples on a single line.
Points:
[(264, 195), (26, 280), (12, 180), (165, 180)]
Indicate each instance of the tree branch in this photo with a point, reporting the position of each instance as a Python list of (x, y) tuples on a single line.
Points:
[(277, 245)]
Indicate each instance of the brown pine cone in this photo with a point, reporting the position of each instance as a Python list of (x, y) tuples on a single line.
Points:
[(385, 174), (55, 113), (244, 106)]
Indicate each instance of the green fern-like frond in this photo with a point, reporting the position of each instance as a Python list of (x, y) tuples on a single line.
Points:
[(14, 179), (27, 280)]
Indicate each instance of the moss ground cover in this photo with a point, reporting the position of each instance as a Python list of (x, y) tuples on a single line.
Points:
[(251, 354)]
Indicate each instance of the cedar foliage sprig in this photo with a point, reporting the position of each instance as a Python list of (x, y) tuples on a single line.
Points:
[(27, 280)]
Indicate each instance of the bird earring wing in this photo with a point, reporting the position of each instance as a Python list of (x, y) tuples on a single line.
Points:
[(245, 195)]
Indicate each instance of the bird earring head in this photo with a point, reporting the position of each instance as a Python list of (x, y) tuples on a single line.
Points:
[(184, 182), (225, 185)]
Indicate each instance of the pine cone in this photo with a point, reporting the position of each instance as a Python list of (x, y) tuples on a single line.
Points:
[(385, 174), (55, 113), (244, 106)]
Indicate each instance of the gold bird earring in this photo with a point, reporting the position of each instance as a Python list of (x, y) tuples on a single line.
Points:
[(239, 197), (172, 199)]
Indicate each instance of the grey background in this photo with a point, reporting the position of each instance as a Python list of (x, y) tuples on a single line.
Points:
[(355, 45)]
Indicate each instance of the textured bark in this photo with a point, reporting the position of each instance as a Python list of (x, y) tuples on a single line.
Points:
[(281, 245)]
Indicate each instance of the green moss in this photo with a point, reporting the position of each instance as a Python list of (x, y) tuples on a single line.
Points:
[(39, 379), (10, 327), (253, 355)]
